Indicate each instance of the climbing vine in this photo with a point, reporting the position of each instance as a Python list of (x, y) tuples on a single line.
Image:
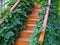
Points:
[(52, 35), (15, 22)]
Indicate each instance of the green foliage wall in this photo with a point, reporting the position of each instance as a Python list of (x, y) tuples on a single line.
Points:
[(52, 35), (15, 22)]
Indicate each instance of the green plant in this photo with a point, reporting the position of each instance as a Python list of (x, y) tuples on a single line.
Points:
[(52, 35), (38, 28), (6, 10), (15, 22)]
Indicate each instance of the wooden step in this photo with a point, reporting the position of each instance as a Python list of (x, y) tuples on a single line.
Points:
[(26, 34), (33, 17), (37, 10), (32, 21), (29, 27), (33, 14), (22, 41)]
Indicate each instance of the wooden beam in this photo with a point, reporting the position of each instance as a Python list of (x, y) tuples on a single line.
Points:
[(42, 35)]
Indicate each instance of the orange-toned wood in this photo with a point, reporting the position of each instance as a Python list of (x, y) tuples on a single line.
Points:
[(19, 42), (31, 21), (29, 28), (25, 34), (41, 37), (14, 6), (45, 23), (34, 17), (18, 1), (36, 10)]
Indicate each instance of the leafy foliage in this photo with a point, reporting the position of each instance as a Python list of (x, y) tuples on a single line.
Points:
[(15, 22), (38, 28), (52, 36)]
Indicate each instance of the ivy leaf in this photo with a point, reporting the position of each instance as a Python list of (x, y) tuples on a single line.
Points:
[(8, 35)]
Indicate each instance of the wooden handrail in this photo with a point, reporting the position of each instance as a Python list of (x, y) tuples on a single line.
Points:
[(45, 23), (14, 6)]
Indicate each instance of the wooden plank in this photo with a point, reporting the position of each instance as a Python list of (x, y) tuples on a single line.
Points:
[(45, 23)]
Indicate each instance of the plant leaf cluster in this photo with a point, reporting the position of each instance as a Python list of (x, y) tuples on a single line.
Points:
[(15, 22), (52, 35)]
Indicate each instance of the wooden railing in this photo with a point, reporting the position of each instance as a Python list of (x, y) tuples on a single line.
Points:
[(14, 6), (45, 23)]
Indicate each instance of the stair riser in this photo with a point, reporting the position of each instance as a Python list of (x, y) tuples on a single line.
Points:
[(18, 42), (34, 16), (31, 22), (25, 35), (29, 28), (36, 10)]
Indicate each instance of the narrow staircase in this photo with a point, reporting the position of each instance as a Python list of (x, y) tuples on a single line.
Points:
[(31, 22)]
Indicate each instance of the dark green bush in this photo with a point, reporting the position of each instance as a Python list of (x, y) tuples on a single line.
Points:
[(52, 35), (15, 22)]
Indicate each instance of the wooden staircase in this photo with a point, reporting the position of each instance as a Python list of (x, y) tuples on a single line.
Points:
[(31, 21)]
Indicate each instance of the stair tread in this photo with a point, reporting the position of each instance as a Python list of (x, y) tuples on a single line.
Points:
[(26, 34), (28, 31), (34, 19), (33, 16), (31, 25), (24, 39), (31, 21)]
